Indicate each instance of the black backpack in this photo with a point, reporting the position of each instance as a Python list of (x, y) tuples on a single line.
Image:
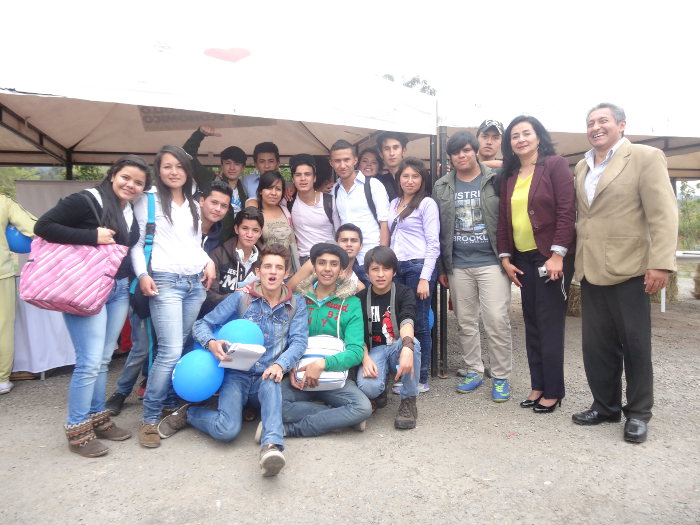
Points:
[(368, 196)]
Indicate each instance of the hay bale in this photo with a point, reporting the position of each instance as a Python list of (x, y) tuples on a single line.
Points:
[(671, 291), (574, 302)]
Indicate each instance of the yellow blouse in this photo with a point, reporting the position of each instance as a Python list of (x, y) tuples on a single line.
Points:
[(523, 237)]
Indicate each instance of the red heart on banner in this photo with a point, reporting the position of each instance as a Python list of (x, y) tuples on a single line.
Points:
[(233, 54)]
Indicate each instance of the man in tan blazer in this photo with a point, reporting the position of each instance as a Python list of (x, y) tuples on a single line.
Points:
[(626, 242)]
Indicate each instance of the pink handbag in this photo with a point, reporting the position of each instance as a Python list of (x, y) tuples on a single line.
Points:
[(70, 278)]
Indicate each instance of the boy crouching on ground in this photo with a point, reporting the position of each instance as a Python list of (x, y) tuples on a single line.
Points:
[(283, 320), (389, 310), (333, 311)]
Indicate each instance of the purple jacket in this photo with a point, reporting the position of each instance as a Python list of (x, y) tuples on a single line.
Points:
[(551, 205)]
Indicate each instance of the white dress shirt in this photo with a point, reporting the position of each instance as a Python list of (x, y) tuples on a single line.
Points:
[(594, 172), (352, 208)]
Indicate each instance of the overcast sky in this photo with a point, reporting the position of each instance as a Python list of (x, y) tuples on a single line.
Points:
[(535, 57)]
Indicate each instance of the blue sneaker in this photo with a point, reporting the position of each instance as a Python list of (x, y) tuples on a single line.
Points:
[(500, 390), (471, 382)]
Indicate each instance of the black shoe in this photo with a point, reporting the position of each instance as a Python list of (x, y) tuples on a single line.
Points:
[(529, 403), (635, 431), (381, 400), (542, 409), (593, 417), (115, 403)]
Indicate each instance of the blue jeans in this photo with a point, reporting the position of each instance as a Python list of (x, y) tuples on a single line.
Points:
[(138, 355), (94, 338), (239, 389), (342, 407), (173, 312), (386, 357), (409, 274)]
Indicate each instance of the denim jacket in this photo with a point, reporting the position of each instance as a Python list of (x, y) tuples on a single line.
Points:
[(286, 332)]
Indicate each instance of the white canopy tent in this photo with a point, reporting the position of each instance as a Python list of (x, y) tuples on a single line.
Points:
[(48, 117)]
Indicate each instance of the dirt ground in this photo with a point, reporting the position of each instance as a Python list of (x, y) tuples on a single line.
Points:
[(469, 459)]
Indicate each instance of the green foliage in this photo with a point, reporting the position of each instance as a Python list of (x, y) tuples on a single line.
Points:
[(89, 172), (689, 216), (8, 176)]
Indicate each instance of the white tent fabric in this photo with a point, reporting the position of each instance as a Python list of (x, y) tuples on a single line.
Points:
[(157, 101)]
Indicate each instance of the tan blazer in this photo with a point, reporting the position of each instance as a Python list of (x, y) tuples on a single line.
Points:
[(632, 223)]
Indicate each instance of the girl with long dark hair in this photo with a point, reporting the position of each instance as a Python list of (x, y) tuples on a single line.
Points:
[(94, 337), (414, 225), (175, 281)]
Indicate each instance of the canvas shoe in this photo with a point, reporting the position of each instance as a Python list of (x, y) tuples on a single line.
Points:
[(471, 382), (271, 460), (500, 390), (173, 422), (5, 387), (396, 389), (423, 387)]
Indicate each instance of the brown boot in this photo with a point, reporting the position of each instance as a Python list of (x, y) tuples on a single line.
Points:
[(148, 435), (105, 428), (408, 413), (82, 440)]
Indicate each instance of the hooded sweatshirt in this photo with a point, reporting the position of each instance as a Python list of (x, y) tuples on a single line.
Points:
[(323, 320)]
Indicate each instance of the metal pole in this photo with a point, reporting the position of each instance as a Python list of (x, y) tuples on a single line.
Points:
[(69, 165), (442, 136), (434, 302)]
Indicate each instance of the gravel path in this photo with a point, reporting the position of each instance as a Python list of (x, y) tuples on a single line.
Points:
[(469, 459)]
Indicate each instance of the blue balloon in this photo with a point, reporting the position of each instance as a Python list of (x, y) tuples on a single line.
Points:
[(431, 319), (17, 241), (241, 331), (197, 376)]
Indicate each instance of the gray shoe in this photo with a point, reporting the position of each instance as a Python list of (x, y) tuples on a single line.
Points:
[(271, 460), (170, 424)]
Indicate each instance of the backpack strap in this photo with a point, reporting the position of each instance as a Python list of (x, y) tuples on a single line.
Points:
[(368, 197), (148, 239), (92, 207), (328, 206)]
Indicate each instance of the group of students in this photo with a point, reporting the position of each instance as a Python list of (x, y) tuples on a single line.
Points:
[(357, 259)]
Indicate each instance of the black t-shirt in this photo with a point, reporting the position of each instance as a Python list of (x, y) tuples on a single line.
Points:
[(382, 330), (383, 333)]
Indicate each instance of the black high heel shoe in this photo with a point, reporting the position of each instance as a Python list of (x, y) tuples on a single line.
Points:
[(529, 403), (541, 409)]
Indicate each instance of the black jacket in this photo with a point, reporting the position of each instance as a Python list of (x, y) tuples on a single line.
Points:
[(72, 221)]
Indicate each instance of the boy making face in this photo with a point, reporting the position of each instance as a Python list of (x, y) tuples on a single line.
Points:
[(389, 310), (283, 321)]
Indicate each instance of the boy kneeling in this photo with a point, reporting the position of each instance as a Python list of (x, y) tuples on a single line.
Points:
[(389, 308), (283, 321), (333, 311)]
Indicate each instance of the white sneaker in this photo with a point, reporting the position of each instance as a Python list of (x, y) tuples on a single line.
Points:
[(271, 460), (423, 387), (6, 387)]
